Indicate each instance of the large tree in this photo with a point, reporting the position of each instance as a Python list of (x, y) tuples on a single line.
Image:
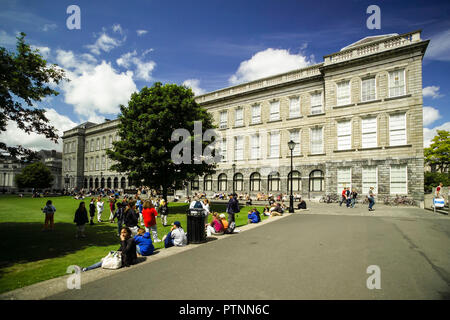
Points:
[(24, 80), (145, 129), (438, 154), (35, 175)]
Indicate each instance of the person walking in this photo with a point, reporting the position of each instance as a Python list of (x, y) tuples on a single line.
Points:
[(112, 207), (120, 215), (131, 218), (100, 205), (149, 214), (344, 196), (438, 193), (81, 218), (49, 211), (353, 197), (92, 211), (348, 194), (371, 198), (164, 212), (232, 209)]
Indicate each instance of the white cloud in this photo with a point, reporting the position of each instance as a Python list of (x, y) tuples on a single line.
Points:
[(49, 26), (104, 43), (439, 48), (117, 28), (14, 136), (6, 39), (141, 32), (99, 89), (194, 84), (430, 115), (143, 69), (268, 62), (44, 51), (429, 134), (432, 92)]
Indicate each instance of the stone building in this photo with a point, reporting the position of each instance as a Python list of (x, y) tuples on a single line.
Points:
[(356, 120)]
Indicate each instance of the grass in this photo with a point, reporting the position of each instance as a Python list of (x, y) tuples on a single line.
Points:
[(28, 255)]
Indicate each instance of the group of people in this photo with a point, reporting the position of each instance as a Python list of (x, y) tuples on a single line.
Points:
[(349, 197)]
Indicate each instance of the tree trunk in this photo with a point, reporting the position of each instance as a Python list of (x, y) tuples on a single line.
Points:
[(165, 193)]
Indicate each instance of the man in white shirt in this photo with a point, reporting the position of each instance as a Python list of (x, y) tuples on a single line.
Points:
[(176, 237)]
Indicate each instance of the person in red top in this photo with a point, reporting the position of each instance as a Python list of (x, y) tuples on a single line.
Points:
[(149, 214), (439, 190)]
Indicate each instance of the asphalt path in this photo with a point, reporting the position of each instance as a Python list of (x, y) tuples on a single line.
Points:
[(298, 257)]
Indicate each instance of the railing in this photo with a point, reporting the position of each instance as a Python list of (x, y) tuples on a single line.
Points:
[(373, 47), (258, 84)]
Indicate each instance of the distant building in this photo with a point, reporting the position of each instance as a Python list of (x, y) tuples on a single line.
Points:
[(10, 168)]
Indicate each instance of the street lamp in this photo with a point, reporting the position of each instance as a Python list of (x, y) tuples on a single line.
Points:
[(234, 172), (291, 145)]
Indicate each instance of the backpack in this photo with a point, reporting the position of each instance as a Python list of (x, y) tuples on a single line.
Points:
[(231, 227), (198, 205)]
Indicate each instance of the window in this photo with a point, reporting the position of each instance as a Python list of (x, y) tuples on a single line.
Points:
[(316, 141), (223, 119), (275, 110), (294, 107), (344, 135), (296, 181), (274, 145), (223, 150), (369, 132), (103, 162), (207, 183), (397, 129), (73, 146), (256, 114), (86, 164), (239, 148), (238, 182), (97, 165), (397, 83), (369, 179), (343, 93), (98, 144), (255, 182), (344, 179), (222, 182), (368, 89), (399, 181), (295, 136), (104, 143), (91, 164), (255, 148), (239, 120), (110, 141), (87, 146), (70, 164), (274, 181), (316, 181), (316, 103), (92, 145), (195, 184)]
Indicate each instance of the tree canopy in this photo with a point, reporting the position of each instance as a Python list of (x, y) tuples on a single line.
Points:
[(145, 129), (35, 175), (438, 154), (25, 79)]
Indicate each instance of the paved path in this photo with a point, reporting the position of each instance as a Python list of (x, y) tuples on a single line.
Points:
[(302, 256)]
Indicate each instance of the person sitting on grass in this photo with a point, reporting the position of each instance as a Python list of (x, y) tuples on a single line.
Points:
[(144, 245), (81, 218), (131, 218), (176, 236), (302, 204), (224, 222), (252, 217), (266, 211), (258, 214), (215, 227), (127, 247), (49, 211)]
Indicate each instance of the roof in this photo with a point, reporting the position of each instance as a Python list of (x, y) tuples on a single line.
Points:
[(367, 40)]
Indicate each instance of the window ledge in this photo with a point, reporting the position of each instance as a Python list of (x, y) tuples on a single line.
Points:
[(316, 154), (367, 102), (345, 106), (398, 97), (280, 157), (400, 146), (223, 128), (272, 121), (316, 114), (346, 150), (239, 126), (255, 124), (371, 148), (296, 117)]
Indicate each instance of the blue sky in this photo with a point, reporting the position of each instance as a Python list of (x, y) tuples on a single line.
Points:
[(124, 46)]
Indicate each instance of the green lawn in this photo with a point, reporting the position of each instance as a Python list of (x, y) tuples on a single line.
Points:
[(28, 255)]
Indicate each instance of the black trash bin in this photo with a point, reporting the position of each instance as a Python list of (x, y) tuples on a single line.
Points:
[(196, 221)]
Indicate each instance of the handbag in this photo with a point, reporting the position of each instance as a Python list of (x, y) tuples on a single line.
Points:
[(113, 260)]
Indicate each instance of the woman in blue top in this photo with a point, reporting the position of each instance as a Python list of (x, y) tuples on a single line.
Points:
[(252, 217), (144, 245)]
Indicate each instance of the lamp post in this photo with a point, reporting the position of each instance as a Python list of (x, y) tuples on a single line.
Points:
[(234, 172), (291, 145)]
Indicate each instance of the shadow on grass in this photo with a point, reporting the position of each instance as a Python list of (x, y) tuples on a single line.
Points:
[(25, 242)]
